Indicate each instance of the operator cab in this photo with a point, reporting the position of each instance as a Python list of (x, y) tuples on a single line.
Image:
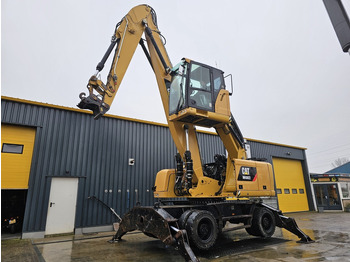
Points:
[(197, 94)]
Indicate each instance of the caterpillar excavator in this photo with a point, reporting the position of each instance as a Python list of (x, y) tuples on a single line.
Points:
[(195, 200)]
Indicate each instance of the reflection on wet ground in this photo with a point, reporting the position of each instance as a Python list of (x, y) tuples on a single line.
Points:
[(331, 232), (230, 245), (134, 247)]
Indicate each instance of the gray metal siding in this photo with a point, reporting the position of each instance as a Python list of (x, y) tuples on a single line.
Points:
[(73, 144), (264, 150), (209, 145)]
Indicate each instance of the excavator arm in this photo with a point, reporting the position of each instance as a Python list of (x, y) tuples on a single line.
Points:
[(128, 34), (141, 20)]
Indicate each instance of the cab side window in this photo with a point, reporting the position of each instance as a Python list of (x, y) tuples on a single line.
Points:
[(219, 82)]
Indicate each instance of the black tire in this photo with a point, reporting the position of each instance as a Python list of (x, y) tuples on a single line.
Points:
[(263, 223), (202, 229), (183, 219), (250, 231)]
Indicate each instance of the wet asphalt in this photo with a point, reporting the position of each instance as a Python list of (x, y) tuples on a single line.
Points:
[(331, 232)]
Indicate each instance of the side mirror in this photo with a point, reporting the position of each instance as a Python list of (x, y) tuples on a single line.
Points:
[(231, 83)]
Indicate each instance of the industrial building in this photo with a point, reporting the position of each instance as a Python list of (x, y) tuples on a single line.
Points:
[(54, 159)]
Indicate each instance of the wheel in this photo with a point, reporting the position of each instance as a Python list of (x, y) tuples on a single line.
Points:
[(263, 223), (251, 231), (202, 229), (183, 219)]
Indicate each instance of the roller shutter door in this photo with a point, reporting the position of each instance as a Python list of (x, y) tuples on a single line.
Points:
[(17, 143), (290, 185)]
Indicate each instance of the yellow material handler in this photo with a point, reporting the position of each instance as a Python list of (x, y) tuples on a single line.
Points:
[(193, 203)]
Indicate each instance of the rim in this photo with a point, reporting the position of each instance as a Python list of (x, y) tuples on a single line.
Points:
[(266, 222), (205, 229)]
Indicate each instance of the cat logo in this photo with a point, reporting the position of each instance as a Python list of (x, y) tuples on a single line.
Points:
[(245, 170), (247, 174)]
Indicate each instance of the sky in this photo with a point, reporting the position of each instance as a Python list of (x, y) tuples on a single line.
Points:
[(291, 78)]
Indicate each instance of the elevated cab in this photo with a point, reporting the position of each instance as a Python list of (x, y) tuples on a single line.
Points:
[(197, 95)]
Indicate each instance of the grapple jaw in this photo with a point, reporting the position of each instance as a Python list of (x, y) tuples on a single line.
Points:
[(158, 223), (94, 104), (95, 100)]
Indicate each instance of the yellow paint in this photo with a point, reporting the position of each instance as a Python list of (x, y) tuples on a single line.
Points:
[(207, 187), (199, 116), (15, 168), (222, 104), (262, 186), (165, 183), (289, 175)]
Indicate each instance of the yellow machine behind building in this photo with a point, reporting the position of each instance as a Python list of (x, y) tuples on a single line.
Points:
[(193, 94)]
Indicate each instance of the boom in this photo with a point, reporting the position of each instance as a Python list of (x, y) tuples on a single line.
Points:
[(141, 19), (190, 105)]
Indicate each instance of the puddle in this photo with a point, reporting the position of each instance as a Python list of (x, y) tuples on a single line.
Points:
[(329, 246)]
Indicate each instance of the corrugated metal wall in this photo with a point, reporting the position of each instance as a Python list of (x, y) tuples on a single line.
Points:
[(73, 144), (262, 150)]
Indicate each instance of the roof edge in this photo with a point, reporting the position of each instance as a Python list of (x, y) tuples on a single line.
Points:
[(20, 100), (276, 144)]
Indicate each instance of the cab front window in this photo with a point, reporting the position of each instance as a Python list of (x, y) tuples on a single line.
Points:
[(200, 94)]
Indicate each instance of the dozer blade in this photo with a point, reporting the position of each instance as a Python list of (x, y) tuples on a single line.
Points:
[(158, 223), (289, 224)]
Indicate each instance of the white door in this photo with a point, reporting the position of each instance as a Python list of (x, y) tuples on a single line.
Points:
[(62, 203)]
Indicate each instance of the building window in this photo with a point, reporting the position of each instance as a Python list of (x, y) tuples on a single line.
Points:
[(286, 191), (294, 191), (345, 189), (278, 191), (12, 148), (301, 191)]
